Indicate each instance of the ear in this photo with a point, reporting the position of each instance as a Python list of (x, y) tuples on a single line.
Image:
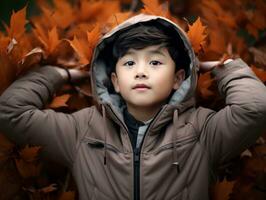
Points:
[(179, 78), (115, 82)]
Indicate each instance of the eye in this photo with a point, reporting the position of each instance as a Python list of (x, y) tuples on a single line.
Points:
[(129, 63), (155, 62)]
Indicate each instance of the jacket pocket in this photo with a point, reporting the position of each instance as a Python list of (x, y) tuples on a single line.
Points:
[(182, 152), (179, 144), (98, 144)]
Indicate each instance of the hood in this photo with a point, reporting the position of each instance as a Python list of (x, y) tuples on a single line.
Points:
[(101, 83)]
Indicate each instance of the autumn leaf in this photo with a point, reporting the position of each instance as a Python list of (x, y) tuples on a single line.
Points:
[(261, 74), (69, 195), (60, 101), (94, 35), (17, 24), (84, 47), (197, 35), (50, 40), (259, 55), (153, 7), (29, 154), (28, 169), (117, 19), (30, 59), (6, 148)]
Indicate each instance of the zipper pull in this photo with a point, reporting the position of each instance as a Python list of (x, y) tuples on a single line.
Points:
[(177, 166), (136, 155)]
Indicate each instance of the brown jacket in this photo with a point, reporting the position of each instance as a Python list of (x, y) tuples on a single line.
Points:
[(182, 147)]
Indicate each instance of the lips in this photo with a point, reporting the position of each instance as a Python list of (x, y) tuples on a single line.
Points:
[(141, 86)]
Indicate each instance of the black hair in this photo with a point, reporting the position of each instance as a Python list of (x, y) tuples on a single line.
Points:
[(147, 34)]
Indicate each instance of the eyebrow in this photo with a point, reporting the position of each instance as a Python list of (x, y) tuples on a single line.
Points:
[(155, 51)]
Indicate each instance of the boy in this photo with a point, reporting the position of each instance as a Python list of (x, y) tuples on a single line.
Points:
[(145, 139)]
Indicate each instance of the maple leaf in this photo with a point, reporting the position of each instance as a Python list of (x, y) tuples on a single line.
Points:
[(116, 19), (69, 195), (82, 49), (94, 35), (6, 148), (17, 24), (28, 169), (85, 47), (29, 154), (30, 59), (153, 7), (261, 74), (197, 35), (64, 13), (60, 101), (50, 40)]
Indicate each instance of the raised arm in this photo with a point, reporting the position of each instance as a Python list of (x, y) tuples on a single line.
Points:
[(231, 130), (24, 119)]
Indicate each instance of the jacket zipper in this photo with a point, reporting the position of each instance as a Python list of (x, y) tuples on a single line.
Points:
[(136, 155), (133, 149)]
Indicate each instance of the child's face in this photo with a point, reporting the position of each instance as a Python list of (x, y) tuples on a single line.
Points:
[(146, 77)]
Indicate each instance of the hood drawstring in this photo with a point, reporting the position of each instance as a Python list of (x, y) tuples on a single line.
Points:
[(105, 134), (175, 161)]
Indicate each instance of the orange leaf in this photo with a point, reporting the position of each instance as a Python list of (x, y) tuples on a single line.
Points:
[(53, 39), (64, 13), (117, 19), (82, 48), (28, 169), (94, 36), (197, 35), (50, 40), (153, 7), (69, 195), (60, 101), (261, 74), (29, 154), (17, 24), (6, 147)]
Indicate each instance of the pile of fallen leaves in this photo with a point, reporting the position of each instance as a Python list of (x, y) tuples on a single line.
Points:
[(65, 34)]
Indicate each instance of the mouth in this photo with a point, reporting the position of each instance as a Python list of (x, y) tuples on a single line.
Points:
[(141, 87)]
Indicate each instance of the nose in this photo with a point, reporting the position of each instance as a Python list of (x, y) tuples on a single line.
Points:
[(141, 72)]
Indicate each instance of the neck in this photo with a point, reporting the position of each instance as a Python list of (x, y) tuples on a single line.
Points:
[(143, 113)]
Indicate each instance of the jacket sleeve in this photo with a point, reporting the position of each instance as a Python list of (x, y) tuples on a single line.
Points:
[(231, 130), (24, 119)]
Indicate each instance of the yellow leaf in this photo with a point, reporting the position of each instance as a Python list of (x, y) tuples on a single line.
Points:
[(197, 35)]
